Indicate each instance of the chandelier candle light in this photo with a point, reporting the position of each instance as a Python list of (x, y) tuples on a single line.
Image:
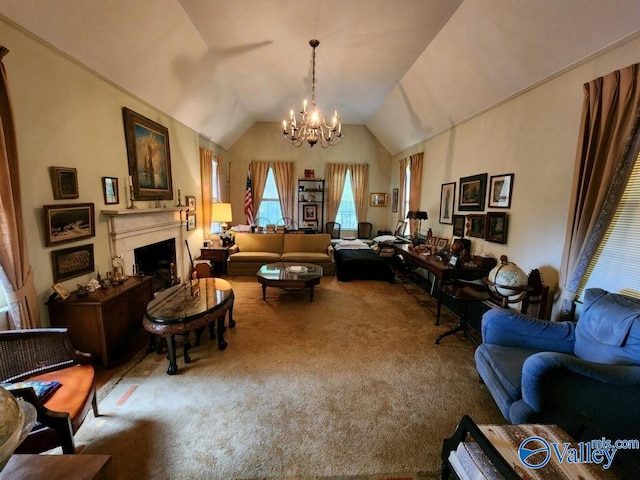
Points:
[(312, 128)]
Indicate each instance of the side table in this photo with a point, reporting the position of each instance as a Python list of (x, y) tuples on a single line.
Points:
[(216, 255), (465, 293), (56, 467)]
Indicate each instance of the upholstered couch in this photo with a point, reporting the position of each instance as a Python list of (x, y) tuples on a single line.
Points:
[(252, 250), (561, 373)]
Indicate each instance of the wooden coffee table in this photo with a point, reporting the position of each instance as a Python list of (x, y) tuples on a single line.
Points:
[(295, 276)]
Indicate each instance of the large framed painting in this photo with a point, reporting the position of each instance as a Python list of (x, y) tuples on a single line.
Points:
[(68, 223), (72, 262), (149, 157), (447, 201), (473, 191)]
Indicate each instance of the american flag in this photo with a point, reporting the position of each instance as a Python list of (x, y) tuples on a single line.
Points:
[(248, 201)]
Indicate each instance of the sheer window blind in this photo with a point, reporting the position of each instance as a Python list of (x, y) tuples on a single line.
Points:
[(616, 265)]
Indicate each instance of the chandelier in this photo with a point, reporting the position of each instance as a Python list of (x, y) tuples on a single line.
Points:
[(311, 127)]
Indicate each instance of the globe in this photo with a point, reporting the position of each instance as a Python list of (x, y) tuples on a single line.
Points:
[(16, 420), (507, 280)]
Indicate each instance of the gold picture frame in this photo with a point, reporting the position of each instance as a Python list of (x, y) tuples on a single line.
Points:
[(378, 199), (64, 182)]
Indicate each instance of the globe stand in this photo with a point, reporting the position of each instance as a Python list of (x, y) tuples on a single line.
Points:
[(505, 294)]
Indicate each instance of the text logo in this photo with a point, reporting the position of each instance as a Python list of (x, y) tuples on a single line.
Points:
[(534, 452)]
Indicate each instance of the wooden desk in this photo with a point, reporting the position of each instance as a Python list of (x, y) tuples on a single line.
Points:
[(440, 270), (57, 467)]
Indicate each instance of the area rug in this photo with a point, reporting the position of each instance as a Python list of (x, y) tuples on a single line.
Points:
[(350, 386)]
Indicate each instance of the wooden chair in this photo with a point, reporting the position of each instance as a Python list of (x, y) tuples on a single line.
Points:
[(333, 228), (364, 230), (45, 355)]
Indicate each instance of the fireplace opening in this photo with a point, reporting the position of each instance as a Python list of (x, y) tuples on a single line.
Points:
[(159, 261)]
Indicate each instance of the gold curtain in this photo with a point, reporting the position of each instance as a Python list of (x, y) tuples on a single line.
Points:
[(605, 156), (360, 187), (206, 170), (402, 193), (283, 173), (259, 172), (415, 193), (336, 174), (16, 274)]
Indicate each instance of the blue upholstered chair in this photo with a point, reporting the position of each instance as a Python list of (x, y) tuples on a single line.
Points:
[(562, 373)]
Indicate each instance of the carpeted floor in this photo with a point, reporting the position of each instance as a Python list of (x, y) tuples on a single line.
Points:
[(349, 386)]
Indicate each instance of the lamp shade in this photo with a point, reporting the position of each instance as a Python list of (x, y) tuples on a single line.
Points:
[(220, 212), (418, 214)]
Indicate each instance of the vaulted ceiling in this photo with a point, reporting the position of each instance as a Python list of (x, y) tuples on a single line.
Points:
[(407, 69)]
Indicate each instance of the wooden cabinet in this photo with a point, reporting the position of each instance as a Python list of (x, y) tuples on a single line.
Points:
[(217, 256), (103, 320)]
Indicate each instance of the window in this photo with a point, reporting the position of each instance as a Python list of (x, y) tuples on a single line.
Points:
[(616, 264), (270, 204), (215, 192), (346, 215)]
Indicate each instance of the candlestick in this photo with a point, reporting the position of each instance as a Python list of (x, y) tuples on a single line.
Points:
[(179, 204), (131, 199)]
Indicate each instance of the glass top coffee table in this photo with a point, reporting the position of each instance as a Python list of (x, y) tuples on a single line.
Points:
[(294, 276)]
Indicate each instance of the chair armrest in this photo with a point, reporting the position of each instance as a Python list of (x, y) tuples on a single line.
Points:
[(545, 365), (331, 251), (233, 249), (511, 329)]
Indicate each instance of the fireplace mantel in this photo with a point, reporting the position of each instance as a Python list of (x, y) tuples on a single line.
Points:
[(133, 228)]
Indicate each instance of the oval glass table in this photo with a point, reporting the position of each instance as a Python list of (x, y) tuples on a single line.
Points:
[(189, 306)]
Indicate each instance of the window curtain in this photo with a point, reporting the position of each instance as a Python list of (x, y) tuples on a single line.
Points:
[(360, 187), (402, 214), (604, 159), (283, 174), (206, 170), (415, 192), (336, 175), (259, 172), (16, 274)]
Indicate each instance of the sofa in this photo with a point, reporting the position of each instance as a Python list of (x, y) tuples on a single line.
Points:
[(567, 373), (252, 250)]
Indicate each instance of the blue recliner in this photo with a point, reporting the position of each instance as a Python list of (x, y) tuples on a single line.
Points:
[(564, 373)]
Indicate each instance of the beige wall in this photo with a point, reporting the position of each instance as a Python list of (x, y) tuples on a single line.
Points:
[(261, 142), (67, 116), (533, 136)]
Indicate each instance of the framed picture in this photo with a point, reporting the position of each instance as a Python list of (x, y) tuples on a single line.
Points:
[(441, 244), (394, 200), (310, 212), (458, 225), (431, 241), (447, 202), (68, 223), (190, 201), (64, 182), (400, 228), (378, 199), (453, 261), (110, 190), (72, 262), (500, 188), (497, 227), (61, 290), (191, 221), (473, 191), (309, 174), (149, 157), (475, 226)]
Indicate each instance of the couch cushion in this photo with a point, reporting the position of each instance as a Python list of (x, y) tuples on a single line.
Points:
[(608, 330), (316, 243), (306, 257), (265, 257), (259, 242)]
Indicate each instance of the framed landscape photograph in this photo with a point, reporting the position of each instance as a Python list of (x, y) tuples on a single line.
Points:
[(378, 199), (110, 190), (475, 226), (500, 188), (447, 202), (149, 157), (458, 225), (68, 223), (72, 262), (497, 227), (64, 182), (473, 191), (310, 212)]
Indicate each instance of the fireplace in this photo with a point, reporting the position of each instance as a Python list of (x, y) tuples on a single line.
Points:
[(160, 230), (159, 261)]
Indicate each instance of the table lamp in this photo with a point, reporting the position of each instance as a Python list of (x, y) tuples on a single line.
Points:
[(221, 213), (417, 215)]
